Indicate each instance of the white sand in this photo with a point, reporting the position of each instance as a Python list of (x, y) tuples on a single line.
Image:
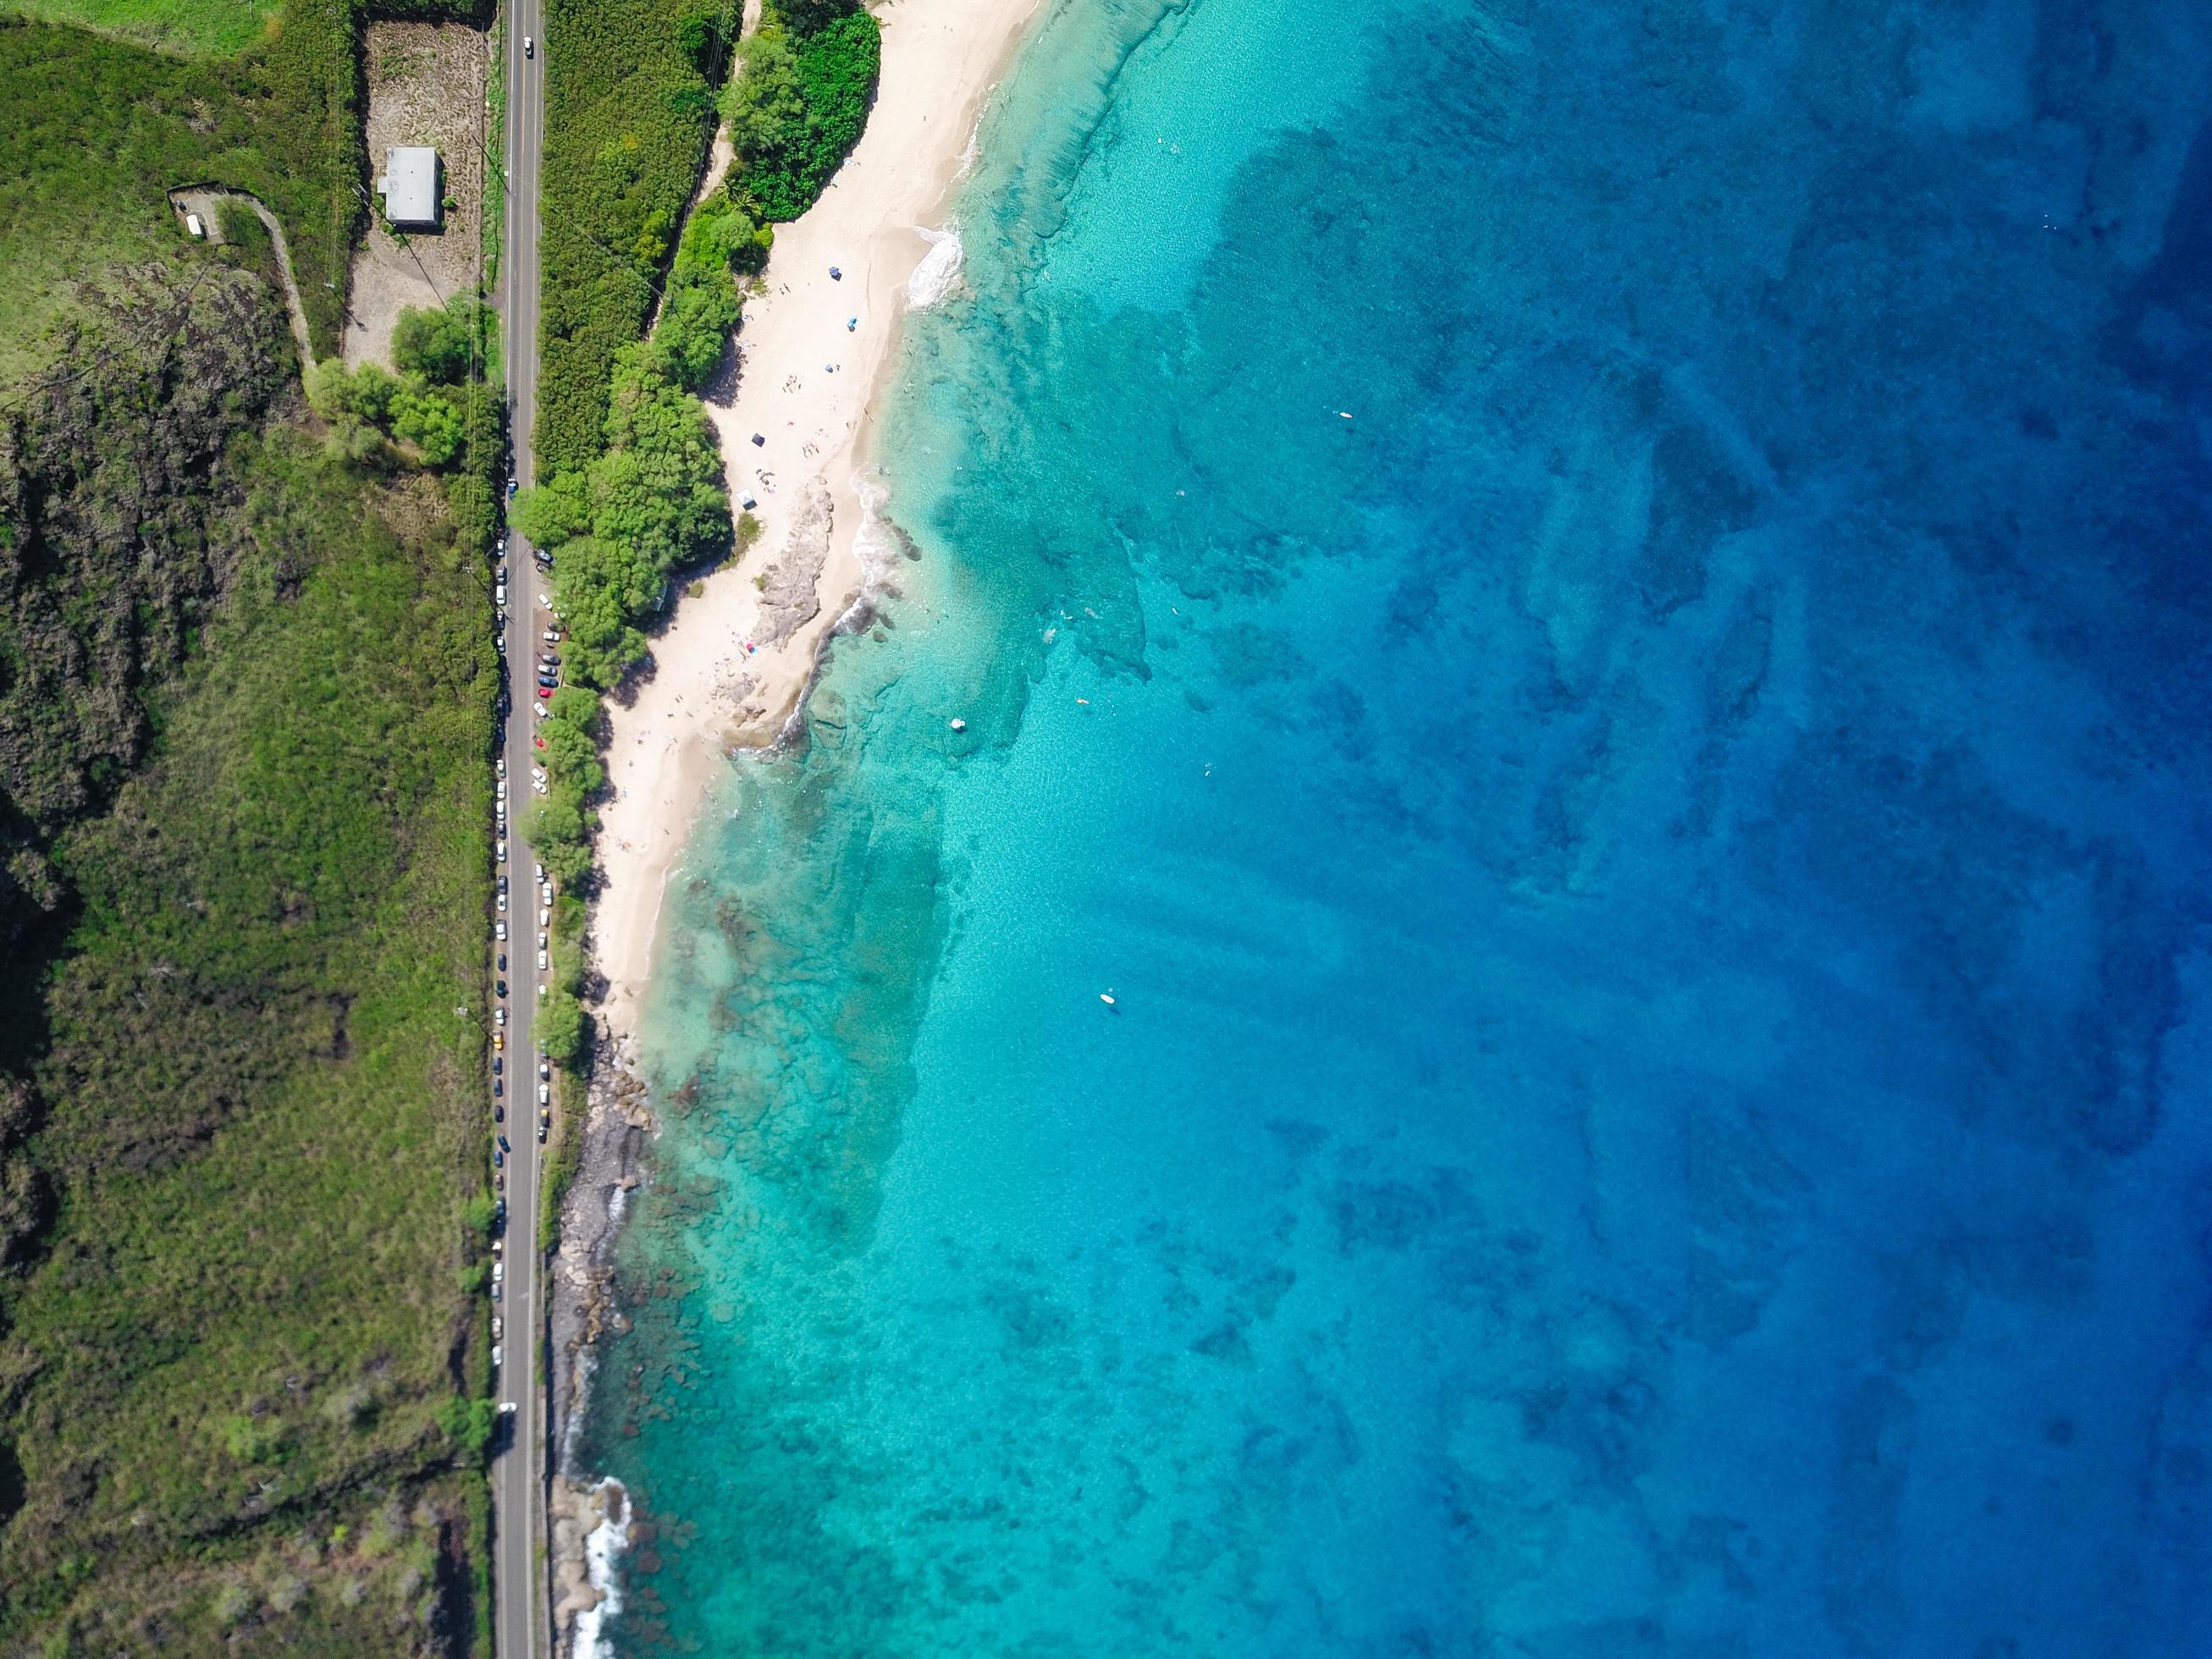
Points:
[(707, 694)]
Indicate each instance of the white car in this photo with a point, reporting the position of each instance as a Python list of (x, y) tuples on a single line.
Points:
[(499, 596), (541, 941), (499, 930), (499, 1015), (544, 1094), (498, 1271), (537, 870), (502, 852), (506, 1408), (498, 1356), (544, 1068), (502, 900), (495, 1327), (544, 886), (541, 962), (538, 784), (529, 48), (544, 918), (503, 766), (502, 783)]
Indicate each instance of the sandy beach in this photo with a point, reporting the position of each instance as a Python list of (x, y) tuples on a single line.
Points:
[(730, 671)]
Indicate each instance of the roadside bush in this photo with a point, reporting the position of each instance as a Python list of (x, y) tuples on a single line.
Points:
[(627, 115), (445, 346)]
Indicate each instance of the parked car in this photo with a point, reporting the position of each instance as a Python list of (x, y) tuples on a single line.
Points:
[(544, 1094), (500, 988), (497, 1066), (544, 691), (498, 1355), (501, 764), (544, 1068), (499, 596), (502, 962), (499, 573), (499, 930), (502, 852), (504, 1147), (545, 917), (498, 1113), (537, 870), (541, 962), (512, 485), (498, 1041), (502, 900), (545, 888), (497, 1333), (497, 1162), (498, 1015)]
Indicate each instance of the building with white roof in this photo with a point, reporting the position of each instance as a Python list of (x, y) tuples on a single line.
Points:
[(409, 185)]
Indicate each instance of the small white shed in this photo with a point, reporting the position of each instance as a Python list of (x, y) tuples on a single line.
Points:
[(409, 184)]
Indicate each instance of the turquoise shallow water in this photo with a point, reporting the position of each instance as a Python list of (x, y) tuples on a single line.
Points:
[(1653, 877)]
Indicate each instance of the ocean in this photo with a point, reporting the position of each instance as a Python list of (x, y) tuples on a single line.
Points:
[(1501, 946)]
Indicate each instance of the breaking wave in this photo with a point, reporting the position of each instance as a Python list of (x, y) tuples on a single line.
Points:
[(940, 269)]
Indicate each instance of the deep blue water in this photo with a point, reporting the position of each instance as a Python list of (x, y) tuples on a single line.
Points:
[(1653, 878)]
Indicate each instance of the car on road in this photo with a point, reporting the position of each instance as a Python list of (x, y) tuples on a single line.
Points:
[(511, 484), (506, 1408), (529, 50)]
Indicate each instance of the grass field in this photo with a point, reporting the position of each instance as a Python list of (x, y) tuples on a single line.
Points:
[(243, 1352), (202, 28), (265, 1114)]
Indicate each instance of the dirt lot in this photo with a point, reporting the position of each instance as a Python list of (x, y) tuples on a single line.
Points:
[(426, 86)]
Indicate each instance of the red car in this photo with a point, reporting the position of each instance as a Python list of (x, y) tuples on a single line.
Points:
[(540, 742), (544, 691)]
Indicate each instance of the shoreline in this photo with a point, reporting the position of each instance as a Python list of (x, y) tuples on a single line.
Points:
[(706, 696)]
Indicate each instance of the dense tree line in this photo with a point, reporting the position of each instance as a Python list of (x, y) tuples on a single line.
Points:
[(796, 109)]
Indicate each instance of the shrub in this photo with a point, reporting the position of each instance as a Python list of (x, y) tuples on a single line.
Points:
[(796, 109), (627, 114)]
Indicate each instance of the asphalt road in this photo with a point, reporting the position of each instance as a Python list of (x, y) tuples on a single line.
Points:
[(520, 1470)]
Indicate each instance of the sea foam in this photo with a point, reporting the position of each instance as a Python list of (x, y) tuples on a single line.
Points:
[(603, 1547), (940, 269)]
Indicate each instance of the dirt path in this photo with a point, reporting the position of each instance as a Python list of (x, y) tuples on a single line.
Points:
[(206, 201)]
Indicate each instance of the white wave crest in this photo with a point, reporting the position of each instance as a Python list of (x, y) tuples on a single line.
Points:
[(872, 544), (602, 1547), (940, 269)]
